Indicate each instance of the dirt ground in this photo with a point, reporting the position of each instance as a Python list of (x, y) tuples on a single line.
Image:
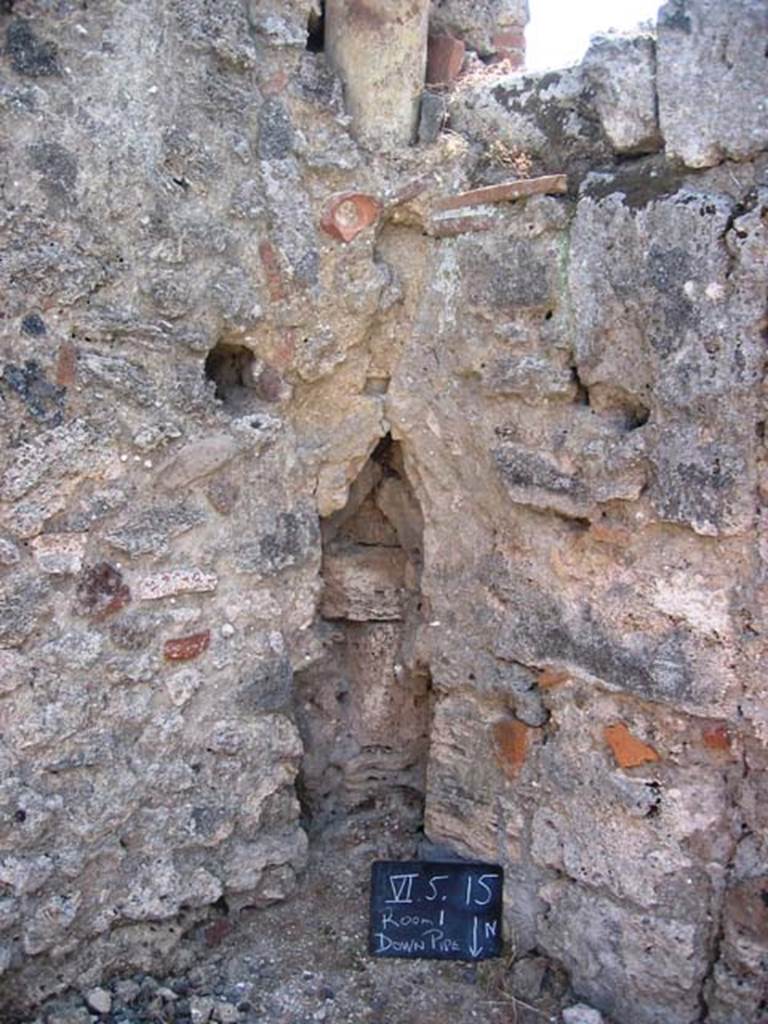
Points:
[(306, 960)]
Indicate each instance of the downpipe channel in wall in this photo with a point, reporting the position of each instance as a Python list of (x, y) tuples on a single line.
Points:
[(364, 707)]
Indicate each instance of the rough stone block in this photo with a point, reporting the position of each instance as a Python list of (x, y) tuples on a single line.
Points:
[(513, 276), (196, 460), (660, 666), (276, 135), (29, 54), (464, 807), (268, 686), (175, 581), (23, 604), (101, 591), (60, 554), (364, 584), (99, 999), (684, 373), (151, 530), (11, 671), (478, 24), (535, 480), (9, 553), (432, 117), (222, 494), (580, 928), (580, 1013), (549, 121), (531, 379), (293, 541), (280, 25), (699, 481), (389, 699), (713, 80), (48, 456), (622, 71), (50, 922)]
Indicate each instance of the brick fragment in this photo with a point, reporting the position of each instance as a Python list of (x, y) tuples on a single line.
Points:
[(285, 350), (628, 750), (605, 534), (509, 45), (509, 39), (185, 648), (549, 677), (548, 184), (511, 738), (346, 214), (717, 738), (452, 226), (216, 933), (411, 190), (66, 365), (515, 60), (275, 85), (445, 56), (272, 272)]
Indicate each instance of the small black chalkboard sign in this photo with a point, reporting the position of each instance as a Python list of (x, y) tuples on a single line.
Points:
[(441, 911)]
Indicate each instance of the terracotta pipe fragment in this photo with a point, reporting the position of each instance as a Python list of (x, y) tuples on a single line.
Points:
[(380, 52), (549, 184), (346, 214)]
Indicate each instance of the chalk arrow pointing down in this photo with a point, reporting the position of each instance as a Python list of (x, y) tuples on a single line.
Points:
[(474, 949)]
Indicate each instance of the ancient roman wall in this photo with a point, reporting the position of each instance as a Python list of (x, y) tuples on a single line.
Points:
[(462, 506)]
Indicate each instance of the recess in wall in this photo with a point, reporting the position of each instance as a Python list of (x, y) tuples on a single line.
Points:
[(316, 30), (230, 367)]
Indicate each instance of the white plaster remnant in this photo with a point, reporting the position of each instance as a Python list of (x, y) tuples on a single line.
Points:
[(684, 597), (183, 685)]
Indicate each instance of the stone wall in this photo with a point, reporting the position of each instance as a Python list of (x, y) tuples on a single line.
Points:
[(217, 304), (494, 29)]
